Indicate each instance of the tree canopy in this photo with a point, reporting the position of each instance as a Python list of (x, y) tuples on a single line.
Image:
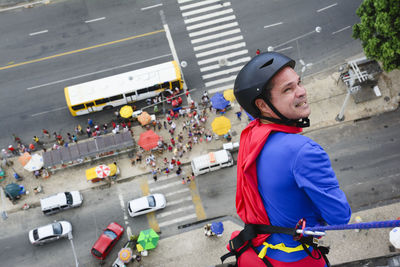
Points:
[(379, 31)]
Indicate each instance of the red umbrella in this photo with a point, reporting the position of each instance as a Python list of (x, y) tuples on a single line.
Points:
[(148, 140), (103, 171)]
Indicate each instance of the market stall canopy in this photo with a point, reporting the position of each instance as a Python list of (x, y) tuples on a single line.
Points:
[(228, 95), (144, 118), (148, 140), (221, 125), (218, 101), (103, 171), (126, 111), (148, 239), (25, 158), (35, 163)]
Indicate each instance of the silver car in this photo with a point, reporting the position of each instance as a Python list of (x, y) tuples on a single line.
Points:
[(50, 232), (146, 204)]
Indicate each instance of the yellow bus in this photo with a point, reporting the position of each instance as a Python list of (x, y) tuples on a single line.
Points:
[(122, 89)]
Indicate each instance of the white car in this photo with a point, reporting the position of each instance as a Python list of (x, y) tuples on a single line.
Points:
[(50, 232), (146, 204)]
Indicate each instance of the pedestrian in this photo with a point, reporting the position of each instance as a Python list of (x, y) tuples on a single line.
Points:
[(12, 150), (192, 176), (74, 139), (280, 167), (46, 133), (166, 161), (96, 128), (169, 148), (188, 180), (169, 119), (167, 171), (155, 109), (258, 51), (90, 123), (79, 128), (183, 180), (159, 125), (36, 140), (173, 141), (165, 125), (69, 137), (16, 139), (89, 132), (105, 128), (239, 115), (113, 124), (178, 163)]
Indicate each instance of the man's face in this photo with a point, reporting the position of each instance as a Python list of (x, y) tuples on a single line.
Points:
[(289, 96)]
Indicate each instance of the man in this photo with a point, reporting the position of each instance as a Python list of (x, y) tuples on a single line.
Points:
[(282, 176)]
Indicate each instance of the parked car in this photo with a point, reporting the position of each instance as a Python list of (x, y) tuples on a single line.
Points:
[(107, 240), (146, 204), (61, 201), (50, 232)]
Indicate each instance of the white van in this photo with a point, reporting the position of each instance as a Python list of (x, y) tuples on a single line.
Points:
[(212, 161), (61, 201)]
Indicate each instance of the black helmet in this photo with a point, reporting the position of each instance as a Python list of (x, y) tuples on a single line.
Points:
[(252, 80)]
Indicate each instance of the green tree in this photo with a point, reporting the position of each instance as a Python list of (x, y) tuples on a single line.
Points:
[(379, 31)]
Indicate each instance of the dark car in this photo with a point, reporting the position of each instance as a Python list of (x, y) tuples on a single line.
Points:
[(107, 240)]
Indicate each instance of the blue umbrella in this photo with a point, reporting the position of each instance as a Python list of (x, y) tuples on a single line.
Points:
[(217, 228), (218, 101)]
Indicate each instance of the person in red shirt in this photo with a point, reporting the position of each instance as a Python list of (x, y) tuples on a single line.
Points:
[(173, 141)]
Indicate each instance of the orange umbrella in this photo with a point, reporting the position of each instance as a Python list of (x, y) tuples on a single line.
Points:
[(148, 140), (25, 158), (144, 118)]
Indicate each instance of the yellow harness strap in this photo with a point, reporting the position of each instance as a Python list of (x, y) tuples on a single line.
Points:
[(279, 246)]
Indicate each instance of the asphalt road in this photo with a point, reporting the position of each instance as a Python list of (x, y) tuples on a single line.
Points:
[(34, 68), (364, 155)]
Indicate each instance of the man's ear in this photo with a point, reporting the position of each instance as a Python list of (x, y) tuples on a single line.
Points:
[(262, 106)]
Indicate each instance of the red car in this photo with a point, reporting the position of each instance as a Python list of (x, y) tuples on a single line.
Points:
[(107, 240)]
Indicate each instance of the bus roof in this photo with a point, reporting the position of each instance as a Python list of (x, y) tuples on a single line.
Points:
[(124, 82)]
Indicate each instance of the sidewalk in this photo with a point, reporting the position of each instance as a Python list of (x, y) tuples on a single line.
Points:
[(325, 98)]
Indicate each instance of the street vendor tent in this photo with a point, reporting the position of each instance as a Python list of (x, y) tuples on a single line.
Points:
[(218, 101), (148, 140), (221, 125), (144, 118), (90, 148), (31, 162)]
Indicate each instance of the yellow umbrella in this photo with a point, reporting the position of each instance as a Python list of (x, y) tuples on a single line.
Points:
[(125, 255), (228, 95), (126, 111), (221, 125), (144, 118)]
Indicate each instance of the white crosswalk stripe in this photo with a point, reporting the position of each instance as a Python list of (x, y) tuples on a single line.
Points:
[(202, 10), (217, 41), (177, 220)]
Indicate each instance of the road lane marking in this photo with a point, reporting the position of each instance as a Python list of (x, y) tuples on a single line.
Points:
[(221, 49), (149, 7), (230, 63), (226, 56), (151, 218), (225, 41), (214, 36), (285, 48), (122, 203), (48, 111), (208, 16), (220, 88), (183, 190), (160, 187), (184, 1), (214, 29), (201, 3), (345, 28), (201, 214), (205, 9), (180, 219), (97, 72), (324, 8), (222, 72), (24, 5), (36, 33), (228, 79), (272, 25), (178, 201), (93, 20), (81, 50), (174, 211), (211, 22)]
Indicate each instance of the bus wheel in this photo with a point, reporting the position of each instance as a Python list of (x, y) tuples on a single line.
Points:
[(108, 108)]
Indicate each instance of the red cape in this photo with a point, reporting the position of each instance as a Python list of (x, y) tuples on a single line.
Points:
[(249, 205)]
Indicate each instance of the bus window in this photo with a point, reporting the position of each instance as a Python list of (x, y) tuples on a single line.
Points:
[(153, 88), (78, 107), (142, 91), (117, 97), (176, 84), (166, 85), (130, 94), (101, 101), (90, 104)]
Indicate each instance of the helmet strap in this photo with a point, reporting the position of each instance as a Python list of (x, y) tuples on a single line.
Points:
[(302, 122)]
